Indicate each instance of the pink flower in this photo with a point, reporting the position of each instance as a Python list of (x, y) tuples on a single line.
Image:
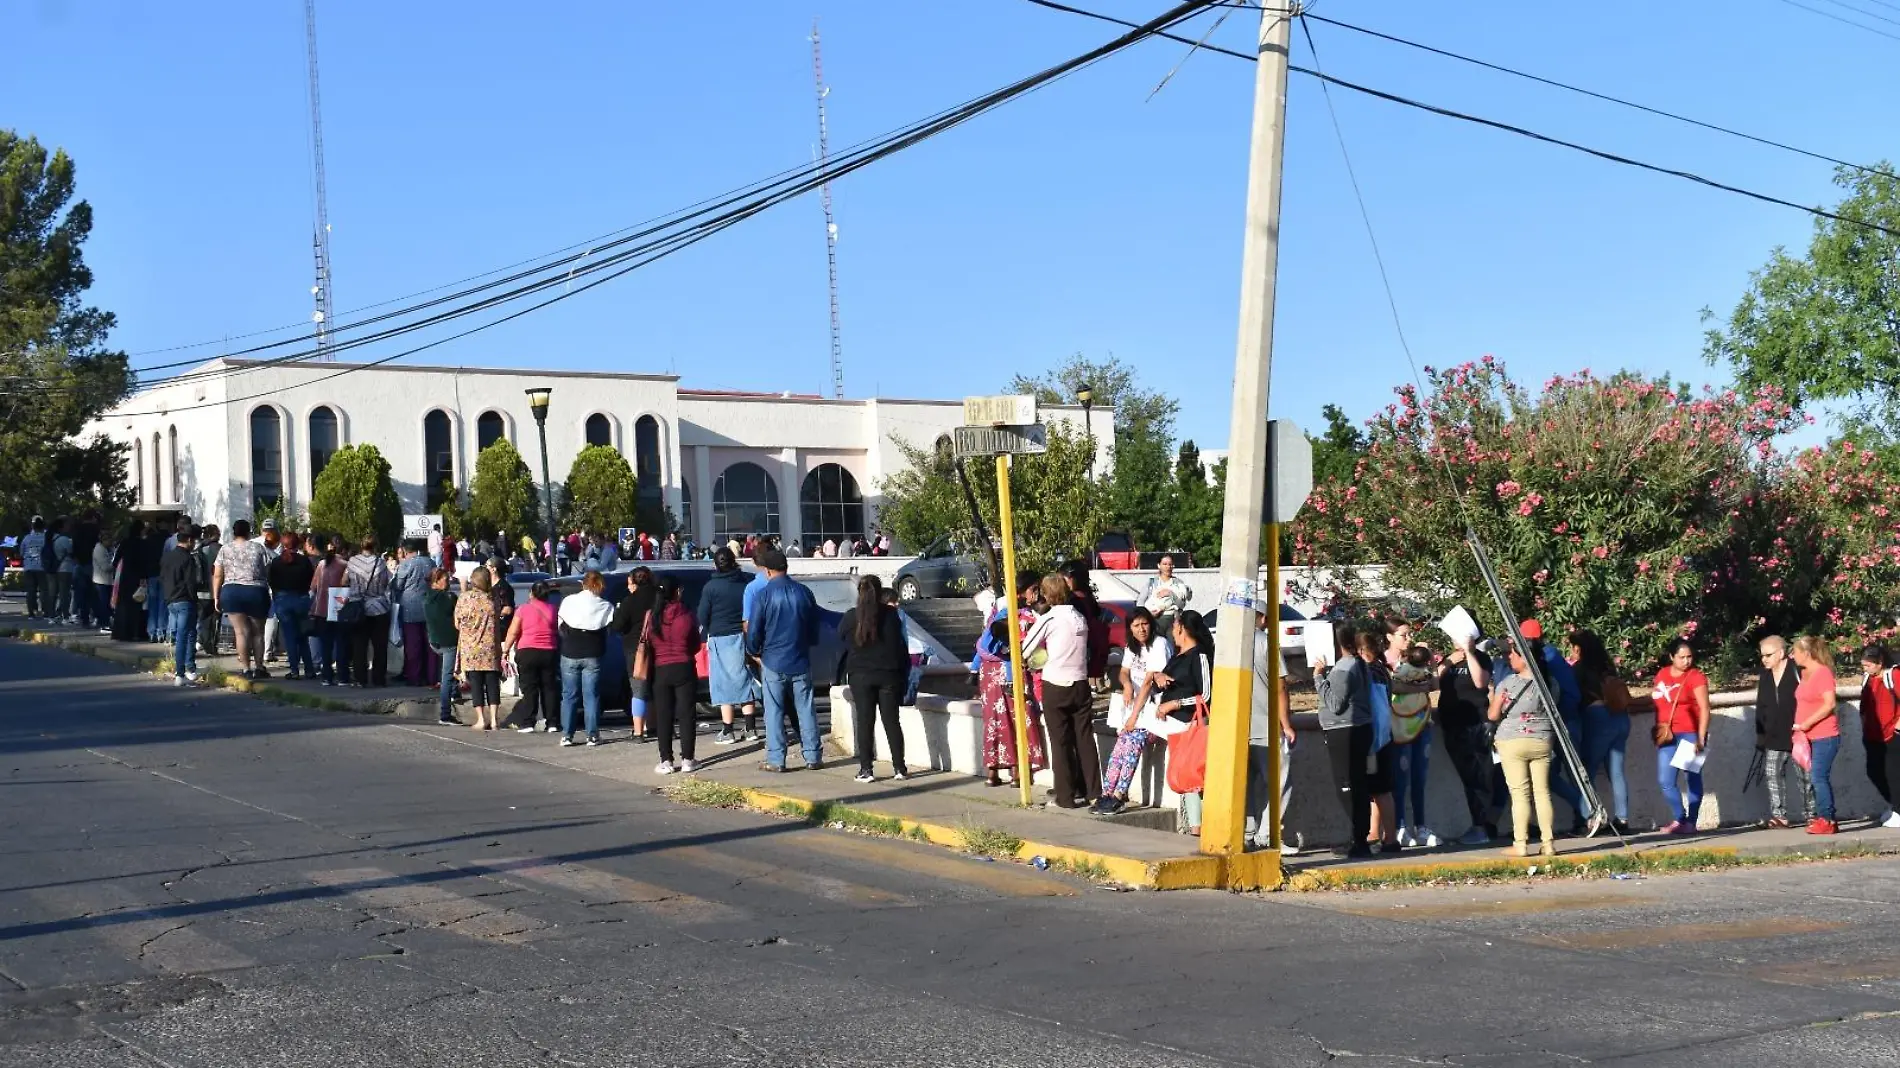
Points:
[(1601, 552), (1508, 488)]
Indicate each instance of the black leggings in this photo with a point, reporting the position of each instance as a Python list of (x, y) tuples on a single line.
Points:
[(1348, 748), (484, 689), (1883, 766), (369, 651), (673, 705), (1470, 750), (540, 674), (873, 698)]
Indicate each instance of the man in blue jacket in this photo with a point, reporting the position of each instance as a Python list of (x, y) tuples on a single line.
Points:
[(781, 628)]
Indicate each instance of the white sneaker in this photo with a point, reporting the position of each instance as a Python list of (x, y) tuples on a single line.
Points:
[(1289, 849), (565, 742), (688, 766), (527, 728), (1406, 837), (178, 681), (191, 677), (1425, 838), (726, 737), (1892, 821), (665, 767), (865, 776)]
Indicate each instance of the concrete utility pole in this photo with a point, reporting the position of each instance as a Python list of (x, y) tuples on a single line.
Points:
[(1223, 817)]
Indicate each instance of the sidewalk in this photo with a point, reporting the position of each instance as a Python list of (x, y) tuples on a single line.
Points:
[(958, 811)]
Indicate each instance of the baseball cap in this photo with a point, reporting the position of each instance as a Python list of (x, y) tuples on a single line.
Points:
[(270, 524), (1531, 630)]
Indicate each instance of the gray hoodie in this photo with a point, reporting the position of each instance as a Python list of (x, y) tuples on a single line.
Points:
[(1345, 695)]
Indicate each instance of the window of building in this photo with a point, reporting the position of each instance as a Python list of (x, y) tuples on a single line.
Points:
[(830, 506), (490, 427), (599, 430), (646, 459), (686, 508), (138, 469), (267, 458), (324, 440), (158, 470), (745, 501), (173, 433), (438, 451)]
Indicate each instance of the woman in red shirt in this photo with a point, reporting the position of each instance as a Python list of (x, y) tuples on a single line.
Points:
[(1815, 719), (1879, 716), (1682, 715), (675, 639)]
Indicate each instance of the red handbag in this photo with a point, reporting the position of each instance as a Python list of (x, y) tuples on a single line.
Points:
[(1187, 753), (702, 665)]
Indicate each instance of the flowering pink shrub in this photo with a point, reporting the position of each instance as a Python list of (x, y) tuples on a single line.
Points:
[(1608, 503)]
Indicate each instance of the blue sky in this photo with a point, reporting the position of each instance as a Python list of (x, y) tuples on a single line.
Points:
[(464, 136)]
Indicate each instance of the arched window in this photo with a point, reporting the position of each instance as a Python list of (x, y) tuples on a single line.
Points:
[(267, 458), (173, 432), (599, 430), (686, 508), (489, 428), (646, 459), (158, 470), (745, 501), (830, 505), (324, 440), (138, 469), (438, 451)]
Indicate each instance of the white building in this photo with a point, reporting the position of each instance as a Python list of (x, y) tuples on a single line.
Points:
[(232, 434)]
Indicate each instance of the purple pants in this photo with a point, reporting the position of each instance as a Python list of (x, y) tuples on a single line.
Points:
[(420, 664)]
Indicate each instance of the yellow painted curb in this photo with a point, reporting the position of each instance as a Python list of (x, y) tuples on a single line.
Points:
[(1251, 871), (1347, 875)]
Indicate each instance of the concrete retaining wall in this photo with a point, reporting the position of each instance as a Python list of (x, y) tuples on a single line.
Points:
[(948, 735)]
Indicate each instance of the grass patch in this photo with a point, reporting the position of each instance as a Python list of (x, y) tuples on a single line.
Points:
[(1675, 862), (987, 841), (918, 834), (1087, 869), (845, 817), (705, 793)]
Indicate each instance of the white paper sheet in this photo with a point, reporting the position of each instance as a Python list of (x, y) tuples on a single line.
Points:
[(1459, 626), (1688, 757), (1318, 637)]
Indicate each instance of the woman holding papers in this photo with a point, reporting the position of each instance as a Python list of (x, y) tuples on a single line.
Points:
[(1682, 734), (1816, 722)]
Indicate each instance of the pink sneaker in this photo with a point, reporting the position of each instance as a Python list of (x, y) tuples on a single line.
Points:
[(1673, 828)]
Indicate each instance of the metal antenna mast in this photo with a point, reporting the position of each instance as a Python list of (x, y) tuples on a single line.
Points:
[(320, 239), (831, 227)]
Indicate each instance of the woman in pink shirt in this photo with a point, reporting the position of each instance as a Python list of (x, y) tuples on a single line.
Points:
[(534, 641), (1815, 719)]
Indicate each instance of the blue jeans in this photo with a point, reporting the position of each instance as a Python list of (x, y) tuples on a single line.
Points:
[(183, 618), (1820, 773), (447, 653), (795, 690), (83, 599), (292, 610), (580, 681), (1410, 762), (333, 645), (1563, 784), (1682, 808), (1606, 741), (156, 616), (102, 612)]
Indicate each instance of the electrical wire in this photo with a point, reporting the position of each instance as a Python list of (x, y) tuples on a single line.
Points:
[(1843, 20), (799, 180), (1495, 124), (1863, 12), (643, 255), (1592, 94)]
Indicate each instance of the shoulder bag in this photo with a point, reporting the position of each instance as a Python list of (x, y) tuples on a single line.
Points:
[(643, 652), (1187, 753)]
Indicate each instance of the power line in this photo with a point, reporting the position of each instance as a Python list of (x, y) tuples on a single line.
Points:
[(1495, 124), (1863, 12), (1590, 93), (853, 161), (1842, 20)]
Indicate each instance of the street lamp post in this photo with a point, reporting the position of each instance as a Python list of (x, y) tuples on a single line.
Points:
[(538, 402), (1086, 394)]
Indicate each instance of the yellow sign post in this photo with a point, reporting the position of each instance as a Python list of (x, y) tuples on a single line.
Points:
[(1019, 708), (1276, 693)]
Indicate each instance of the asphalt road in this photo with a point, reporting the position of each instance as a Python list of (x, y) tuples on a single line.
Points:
[(194, 879)]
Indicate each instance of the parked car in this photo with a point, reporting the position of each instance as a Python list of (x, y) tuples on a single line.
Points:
[(944, 569), (1116, 551)]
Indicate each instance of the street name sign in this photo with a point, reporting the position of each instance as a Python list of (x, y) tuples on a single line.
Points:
[(1015, 409), (1000, 440)]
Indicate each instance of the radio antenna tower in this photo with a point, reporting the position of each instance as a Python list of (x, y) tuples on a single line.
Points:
[(831, 227), (320, 238)]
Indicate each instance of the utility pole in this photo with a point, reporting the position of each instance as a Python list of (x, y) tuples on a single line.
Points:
[(831, 225), (1224, 817), (320, 239)]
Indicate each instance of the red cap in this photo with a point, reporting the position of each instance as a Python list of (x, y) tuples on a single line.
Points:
[(1531, 629)]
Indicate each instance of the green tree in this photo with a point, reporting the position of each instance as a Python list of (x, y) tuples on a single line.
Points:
[(1140, 491), (1826, 326), (1196, 519), (502, 494), (353, 497), (1337, 451), (1057, 514), (601, 493), (57, 370), (453, 510)]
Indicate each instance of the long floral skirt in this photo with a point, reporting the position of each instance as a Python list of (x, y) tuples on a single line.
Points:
[(1122, 763), (999, 730)]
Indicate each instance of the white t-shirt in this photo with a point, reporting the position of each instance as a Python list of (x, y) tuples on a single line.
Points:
[(1152, 659)]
